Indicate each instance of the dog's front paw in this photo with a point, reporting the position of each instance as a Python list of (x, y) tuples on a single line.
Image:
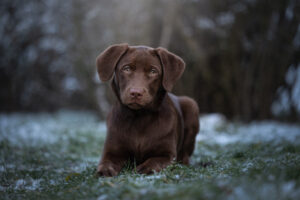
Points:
[(106, 170), (146, 168)]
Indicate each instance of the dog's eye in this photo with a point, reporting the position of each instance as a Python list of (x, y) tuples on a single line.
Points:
[(153, 71), (127, 68)]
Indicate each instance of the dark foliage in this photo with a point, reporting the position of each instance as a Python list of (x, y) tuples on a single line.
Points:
[(237, 52)]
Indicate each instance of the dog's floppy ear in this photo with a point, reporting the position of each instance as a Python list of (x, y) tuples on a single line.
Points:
[(108, 59), (173, 67)]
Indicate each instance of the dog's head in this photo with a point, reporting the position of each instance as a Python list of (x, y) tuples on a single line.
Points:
[(139, 72)]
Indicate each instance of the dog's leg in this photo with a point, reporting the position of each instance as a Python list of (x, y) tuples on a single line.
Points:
[(190, 113), (110, 165), (154, 164)]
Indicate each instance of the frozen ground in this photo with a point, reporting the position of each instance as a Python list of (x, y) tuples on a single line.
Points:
[(215, 129), (46, 156), (45, 128)]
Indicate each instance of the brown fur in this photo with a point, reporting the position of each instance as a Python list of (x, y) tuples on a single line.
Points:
[(147, 125)]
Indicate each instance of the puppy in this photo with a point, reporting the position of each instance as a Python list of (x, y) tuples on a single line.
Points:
[(148, 125)]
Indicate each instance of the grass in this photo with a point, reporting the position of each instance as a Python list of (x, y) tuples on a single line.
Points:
[(64, 168)]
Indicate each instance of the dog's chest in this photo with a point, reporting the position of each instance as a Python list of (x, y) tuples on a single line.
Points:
[(140, 137), (143, 137)]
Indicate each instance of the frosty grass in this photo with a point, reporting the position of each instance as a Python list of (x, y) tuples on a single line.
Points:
[(50, 156)]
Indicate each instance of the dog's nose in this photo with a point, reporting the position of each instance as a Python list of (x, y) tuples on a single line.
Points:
[(136, 92)]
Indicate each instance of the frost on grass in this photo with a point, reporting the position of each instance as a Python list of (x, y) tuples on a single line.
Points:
[(39, 129), (29, 184), (34, 146), (55, 155), (215, 129), (280, 190)]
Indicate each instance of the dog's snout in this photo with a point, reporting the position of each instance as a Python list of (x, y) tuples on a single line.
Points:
[(136, 92)]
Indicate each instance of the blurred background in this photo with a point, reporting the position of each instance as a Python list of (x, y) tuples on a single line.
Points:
[(242, 56)]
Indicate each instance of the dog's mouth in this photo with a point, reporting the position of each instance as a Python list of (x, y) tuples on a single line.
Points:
[(136, 103), (134, 106)]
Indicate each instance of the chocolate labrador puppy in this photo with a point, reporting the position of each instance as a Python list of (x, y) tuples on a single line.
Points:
[(148, 125)]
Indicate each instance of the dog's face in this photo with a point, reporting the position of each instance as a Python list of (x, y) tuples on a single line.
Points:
[(140, 72), (139, 77)]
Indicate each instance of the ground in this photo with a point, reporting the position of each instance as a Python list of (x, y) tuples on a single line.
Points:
[(54, 156)]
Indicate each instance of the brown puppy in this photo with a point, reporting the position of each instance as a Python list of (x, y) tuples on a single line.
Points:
[(148, 125)]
